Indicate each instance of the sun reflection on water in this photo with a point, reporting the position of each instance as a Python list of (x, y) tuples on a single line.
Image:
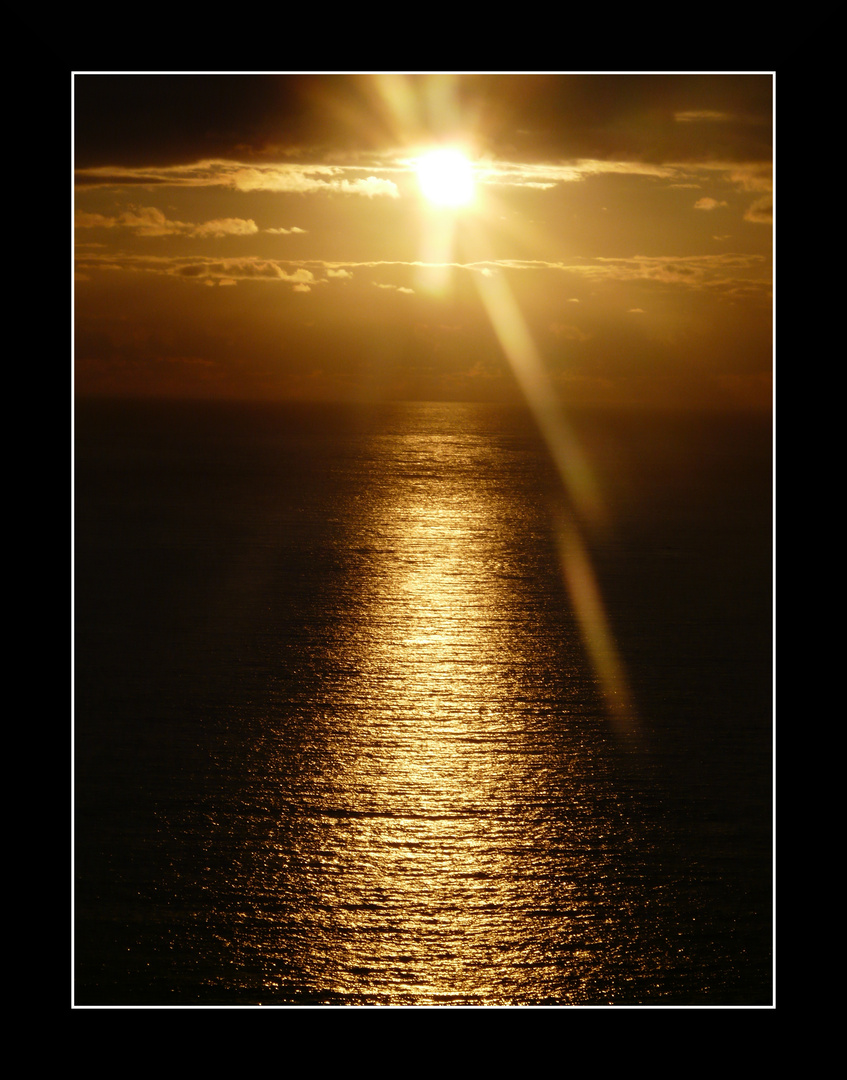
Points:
[(431, 831)]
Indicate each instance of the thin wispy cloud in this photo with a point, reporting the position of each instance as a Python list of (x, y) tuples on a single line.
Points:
[(693, 271), (394, 288), (150, 221), (710, 116), (240, 177), (378, 177)]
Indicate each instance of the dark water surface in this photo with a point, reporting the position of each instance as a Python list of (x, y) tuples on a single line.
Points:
[(338, 739)]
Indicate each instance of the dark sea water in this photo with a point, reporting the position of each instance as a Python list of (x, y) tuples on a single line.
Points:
[(339, 738)]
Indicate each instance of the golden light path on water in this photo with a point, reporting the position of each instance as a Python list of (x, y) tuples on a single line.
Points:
[(436, 748), (448, 833)]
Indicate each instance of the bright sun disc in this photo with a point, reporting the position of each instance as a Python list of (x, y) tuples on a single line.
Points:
[(446, 178)]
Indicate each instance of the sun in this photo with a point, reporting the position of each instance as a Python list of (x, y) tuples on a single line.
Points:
[(446, 177)]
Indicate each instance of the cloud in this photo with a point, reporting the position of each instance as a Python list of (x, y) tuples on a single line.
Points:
[(94, 221), (374, 178), (521, 174), (348, 179), (282, 178), (286, 232), (236, 175), (746, 176), (708, 115), (394, 288), (371, 186), (233, 270), (708, 203), (149, 221), (696, 271), (724, 272), (202, 269), (569, 332), (226, 227), (761, 211), (313, 178)]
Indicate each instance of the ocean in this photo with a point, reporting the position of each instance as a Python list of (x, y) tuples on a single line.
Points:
[(370, 711)]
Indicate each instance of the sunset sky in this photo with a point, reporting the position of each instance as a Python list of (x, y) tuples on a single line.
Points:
[(267, 237)]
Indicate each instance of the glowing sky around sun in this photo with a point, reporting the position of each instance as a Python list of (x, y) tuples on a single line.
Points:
[(446, 177), (338, 237)]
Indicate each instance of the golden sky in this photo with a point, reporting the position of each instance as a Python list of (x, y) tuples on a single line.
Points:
[(267, 237)]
